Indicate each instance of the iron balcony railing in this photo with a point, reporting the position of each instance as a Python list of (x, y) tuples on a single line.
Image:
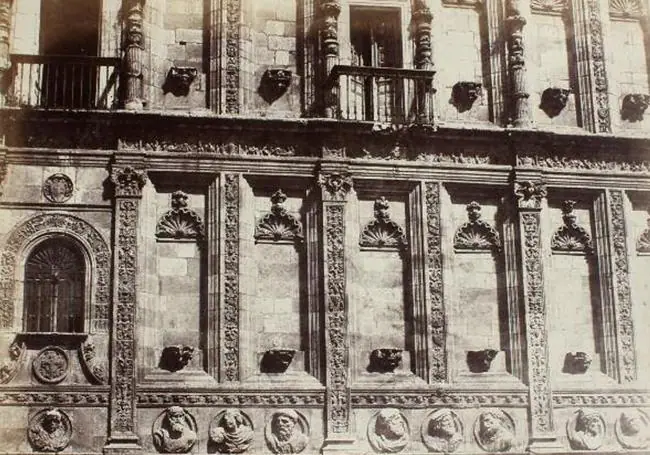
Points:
[(385, 95), (63, 82)]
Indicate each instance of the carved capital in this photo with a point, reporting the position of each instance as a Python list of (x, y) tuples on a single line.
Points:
[(335, 186), (128, 182), (529, 194)]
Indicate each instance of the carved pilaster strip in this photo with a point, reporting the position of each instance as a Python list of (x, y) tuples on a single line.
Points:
[(214, 32), (3, 164), (513, 295), (231, 77), (314, 293), (213, 352), (437, 318), (128, 183), (230, 307), (308, 36), (515, 22), (498, 67), (133, 58), (529, 200), (622, 297), (5, 30)]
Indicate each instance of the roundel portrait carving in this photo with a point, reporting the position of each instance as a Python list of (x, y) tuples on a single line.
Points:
[(174, 431), (49, 430), (287, 431), (231, 431), (51, 365), (494, 431), (58, 188), (586, 430), (442, 431), (632, 429), (388, 431)]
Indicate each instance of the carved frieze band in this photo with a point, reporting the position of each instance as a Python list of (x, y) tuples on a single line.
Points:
[(624, 323), (56, 223), (293, 398), (438, 366), (425, 399), (230, 348), (128, 183), (336, 321)]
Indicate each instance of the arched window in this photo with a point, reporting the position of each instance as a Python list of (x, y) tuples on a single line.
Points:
[(54, 287)]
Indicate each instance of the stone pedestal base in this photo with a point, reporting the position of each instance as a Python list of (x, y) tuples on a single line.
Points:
[(122, 448), (340, 445), (545, 445)]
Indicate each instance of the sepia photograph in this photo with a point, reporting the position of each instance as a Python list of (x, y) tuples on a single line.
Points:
[(324, 227)]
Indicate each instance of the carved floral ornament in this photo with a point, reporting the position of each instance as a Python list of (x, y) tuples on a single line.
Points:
[(279, 224), (180, 222), (382, 232), (571, 237), (58, 188), (51, 365), (643, 243), (549, 6), (476, 234)]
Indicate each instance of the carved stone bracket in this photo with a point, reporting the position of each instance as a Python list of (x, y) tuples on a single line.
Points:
[(10, 367), (553, 100), (634, 106), (476, 234), (278, 225), (529, 194), (571, 237), (180, 222), (335, 186), (464, 93), (382, 232), (128, 182), (93, 366), (179, 79)]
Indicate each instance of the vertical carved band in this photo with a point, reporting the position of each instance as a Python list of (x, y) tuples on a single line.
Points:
[(600, 83), (515, 21), (422, 18), (438, 359), (5, 27), (232, 64), (133, 53), (230, 348), (128, 184), (623, 301)]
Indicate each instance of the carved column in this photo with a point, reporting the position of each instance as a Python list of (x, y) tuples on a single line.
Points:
[(133, 58), (529, 197), (128, 183), (335, 186), (515, 21), (330, 10), (422, 18), (5, 30)]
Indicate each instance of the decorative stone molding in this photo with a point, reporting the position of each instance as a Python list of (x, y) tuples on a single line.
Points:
[(388, 431), (643, 242), (494, 431), (180, 222), (51, 365), (175, 358), (549, 6), (279, 224), (571, 237), (231, 431), (230, 314), (51, 224), (58, 188), (463, 94), (437, 322), (529, 194), (128, 182), (212, 399), (174, 431), (179, 79), (604, 399), (12, 365), (626, 9), (382, 232), (45, 398), (586, 430), (422, 17), (515, 22), (597, 162), (420, 399), (335, 186), (133, 59), (553, 100), (634, 106), (50, 430), (287, 431), (476, 234), (623, 297), (442, 431), (632, 429), (200, 145), (95, 368)]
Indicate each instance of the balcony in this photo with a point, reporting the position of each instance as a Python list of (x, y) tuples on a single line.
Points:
[(383, 95), (63, 82)]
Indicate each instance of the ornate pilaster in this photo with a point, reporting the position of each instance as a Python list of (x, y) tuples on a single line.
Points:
[(422, 18), (515, 21), (127, 183), (529, 196), (334, 186), (133, 58), (329, 11), (232, 62), (5, 29)]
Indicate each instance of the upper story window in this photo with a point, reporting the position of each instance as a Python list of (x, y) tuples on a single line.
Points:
[(376, 37), (54, 286)]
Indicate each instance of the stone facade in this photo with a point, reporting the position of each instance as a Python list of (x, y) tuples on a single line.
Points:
[(274, 243)]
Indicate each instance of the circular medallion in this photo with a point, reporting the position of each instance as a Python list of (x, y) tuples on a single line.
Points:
[(49, 430), (287, 431), (633, 429), (58, 188), (51, 365), (494, 431), (442, 431), (174, 431), (231, 431), (388, 431)]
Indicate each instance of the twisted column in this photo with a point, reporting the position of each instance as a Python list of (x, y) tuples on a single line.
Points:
[(515, 21), (133, 54)]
